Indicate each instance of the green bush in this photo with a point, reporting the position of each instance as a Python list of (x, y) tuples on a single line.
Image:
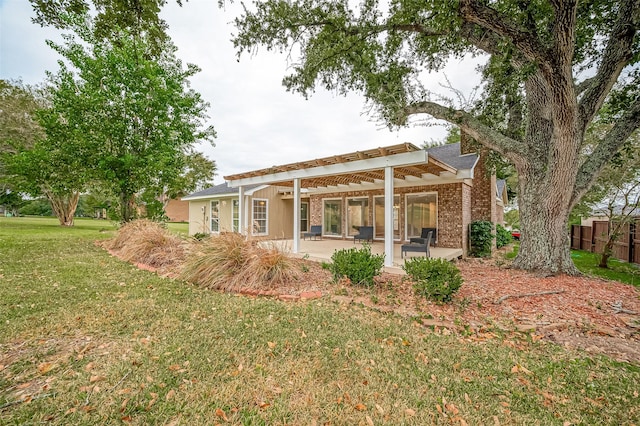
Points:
[(503, 236), (435, 279), (480, 238), (359, 265)]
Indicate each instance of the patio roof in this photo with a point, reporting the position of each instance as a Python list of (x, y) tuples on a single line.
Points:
[(360, 167)]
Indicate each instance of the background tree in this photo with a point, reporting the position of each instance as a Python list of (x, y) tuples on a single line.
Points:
[(138, 118), (616, 193), (19, 127), (37, 155), (551, 65)]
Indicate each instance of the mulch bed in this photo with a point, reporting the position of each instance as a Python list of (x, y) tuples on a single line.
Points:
[(589, 313)]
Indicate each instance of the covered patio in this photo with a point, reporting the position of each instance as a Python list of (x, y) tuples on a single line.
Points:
[(383, 169), (322, 250)]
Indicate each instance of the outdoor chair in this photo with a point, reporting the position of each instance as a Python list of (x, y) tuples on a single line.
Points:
[(365, 233), (314, 232), (423, 236), (417, 247)]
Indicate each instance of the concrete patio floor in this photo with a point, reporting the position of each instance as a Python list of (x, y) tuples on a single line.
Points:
[(321, 250)]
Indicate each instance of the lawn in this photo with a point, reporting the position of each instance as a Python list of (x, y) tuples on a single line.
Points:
[(87, 339), (587, 263)]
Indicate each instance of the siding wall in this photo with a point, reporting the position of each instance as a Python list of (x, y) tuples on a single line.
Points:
[(197, 221)]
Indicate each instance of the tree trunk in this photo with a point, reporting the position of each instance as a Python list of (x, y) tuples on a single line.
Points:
[(63, 206), (606, 253), (127, 207), (544, 211)]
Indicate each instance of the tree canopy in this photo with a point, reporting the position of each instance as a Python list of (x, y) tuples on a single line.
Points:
[(551, 68), (133, 109)]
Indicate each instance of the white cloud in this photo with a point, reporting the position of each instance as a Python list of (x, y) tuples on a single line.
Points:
[(258, 123)]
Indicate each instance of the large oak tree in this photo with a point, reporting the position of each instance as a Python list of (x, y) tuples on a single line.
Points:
[(550, 69)]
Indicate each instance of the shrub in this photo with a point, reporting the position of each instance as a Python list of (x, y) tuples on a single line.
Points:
[(435, 279), (359, 265), (480, 238), (144, 241), (503, 236)]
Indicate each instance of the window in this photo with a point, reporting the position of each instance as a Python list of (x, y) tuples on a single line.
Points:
[(421, 212), (357, 214), (304, 217), (332, 217), (259, 218), (215, 216), (235, 215), (378, 213)]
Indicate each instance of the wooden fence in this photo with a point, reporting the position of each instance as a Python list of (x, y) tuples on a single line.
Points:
[(593, 238)]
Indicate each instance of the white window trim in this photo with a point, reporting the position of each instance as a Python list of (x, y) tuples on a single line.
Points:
[(211, 216), (374, 216), (406, 207), (346, 210), (266, 226), (233, 219), (324, 231), (306, 218)]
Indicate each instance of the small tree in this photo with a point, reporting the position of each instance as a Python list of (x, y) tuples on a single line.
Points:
[(137, 120), (616, 192)]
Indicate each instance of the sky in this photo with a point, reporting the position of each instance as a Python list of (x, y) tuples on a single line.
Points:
[(259, 124)]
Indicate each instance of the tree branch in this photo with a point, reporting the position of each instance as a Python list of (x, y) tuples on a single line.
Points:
[(616, 56), (604, 152), (527, 41), (484, 134)]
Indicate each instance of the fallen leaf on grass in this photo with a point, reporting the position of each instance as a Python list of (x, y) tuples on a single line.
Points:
[(174, 367), (1, 367), (271, 345), (94, 379), (45, 367), (154, 398), (221, 414), (360, 407), (126, 419), (411, 413), (380, 409), (89, 367), (369, 420), (170, 395)]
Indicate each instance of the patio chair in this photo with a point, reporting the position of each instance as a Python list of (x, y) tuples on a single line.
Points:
[(314, 232), (423, 236), (365, 233), (417, 247)]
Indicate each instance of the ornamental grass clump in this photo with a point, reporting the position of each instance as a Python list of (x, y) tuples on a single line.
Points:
[(230, 262), (148, 242), (434, 279), (359, 265)]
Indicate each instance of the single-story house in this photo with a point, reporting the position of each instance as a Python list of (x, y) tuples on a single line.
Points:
[(397, 189)]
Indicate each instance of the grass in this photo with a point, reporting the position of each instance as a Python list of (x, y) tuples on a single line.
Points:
[(587, 263), (618, 271), (88, 339)]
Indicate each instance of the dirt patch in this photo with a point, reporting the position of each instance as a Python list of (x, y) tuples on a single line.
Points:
[(592, 314)]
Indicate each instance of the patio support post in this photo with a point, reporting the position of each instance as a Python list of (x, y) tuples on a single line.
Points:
[(388, 216), (296, 215), (241, 213)]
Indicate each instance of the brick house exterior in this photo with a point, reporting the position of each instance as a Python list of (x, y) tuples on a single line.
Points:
[(446, 187)]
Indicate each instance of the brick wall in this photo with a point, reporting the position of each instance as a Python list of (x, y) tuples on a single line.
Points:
[(452, 222), (177, 211), (483, 195)]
